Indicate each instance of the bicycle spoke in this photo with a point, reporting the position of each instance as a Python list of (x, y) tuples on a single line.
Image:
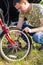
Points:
[(19, 48), (14, 52)]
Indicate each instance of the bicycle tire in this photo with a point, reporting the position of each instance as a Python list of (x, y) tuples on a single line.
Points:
[(2, 52)]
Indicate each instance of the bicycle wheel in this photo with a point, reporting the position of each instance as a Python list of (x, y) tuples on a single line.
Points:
[(15, 52)]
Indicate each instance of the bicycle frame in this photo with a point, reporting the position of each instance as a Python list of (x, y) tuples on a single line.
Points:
[(6, 32)]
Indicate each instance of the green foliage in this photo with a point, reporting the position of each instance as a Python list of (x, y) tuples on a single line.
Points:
[(34, 58), (41, 2)]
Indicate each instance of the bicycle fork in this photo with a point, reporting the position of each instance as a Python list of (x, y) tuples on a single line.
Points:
[(6, 32)]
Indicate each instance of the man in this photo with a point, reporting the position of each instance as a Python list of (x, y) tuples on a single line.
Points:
[(25, 8)]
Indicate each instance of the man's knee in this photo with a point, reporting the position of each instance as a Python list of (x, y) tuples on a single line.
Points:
[(38, 37), (26, 25)]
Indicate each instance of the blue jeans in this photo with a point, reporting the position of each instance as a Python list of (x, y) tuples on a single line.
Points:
[(37, 37)]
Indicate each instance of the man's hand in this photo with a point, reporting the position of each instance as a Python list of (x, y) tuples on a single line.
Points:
[(27, 30)]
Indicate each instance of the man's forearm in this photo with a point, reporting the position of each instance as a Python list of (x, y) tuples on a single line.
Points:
[(40, 29), (20, 22)]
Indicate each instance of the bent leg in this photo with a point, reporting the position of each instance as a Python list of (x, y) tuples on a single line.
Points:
[(38, 37)]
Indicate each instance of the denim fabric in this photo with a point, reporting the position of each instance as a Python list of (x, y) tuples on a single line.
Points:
[(38, 37)]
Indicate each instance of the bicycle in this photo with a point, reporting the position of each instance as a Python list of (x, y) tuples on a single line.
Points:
[(12, 47)]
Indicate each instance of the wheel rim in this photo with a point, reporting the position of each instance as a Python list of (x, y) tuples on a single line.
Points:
[(18, 56)]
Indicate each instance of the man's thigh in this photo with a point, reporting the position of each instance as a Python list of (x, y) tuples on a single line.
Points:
[(38, 37)]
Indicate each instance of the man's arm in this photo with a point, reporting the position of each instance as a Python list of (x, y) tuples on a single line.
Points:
[(20, 22), (39, 29)]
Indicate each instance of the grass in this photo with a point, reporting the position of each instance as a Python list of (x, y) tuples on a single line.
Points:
[(34, 58)]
